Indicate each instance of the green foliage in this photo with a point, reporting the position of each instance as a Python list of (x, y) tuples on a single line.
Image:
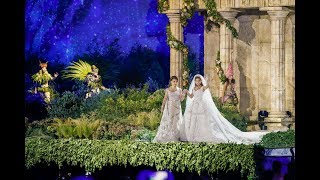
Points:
[(41, 77), (68, 105), (154, 101), (189, 7), (117, 107), (77, 70), (163, 5), (94, 103), (215, 17), (188, 10), (232, 114), (131, 106), (75, 128), (220, 72), (141, 64), (115, 131), (109, 62), (146, 135), (150, 120), (95, 154), (39, 129), (279, 139), (179, 46)]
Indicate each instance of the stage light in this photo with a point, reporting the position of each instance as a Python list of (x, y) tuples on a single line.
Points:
[(155, 175), (87, 176)]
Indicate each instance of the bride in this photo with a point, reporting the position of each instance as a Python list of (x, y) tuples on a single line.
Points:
[(204, 123)]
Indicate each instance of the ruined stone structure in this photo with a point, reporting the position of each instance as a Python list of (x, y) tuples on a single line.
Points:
[(263, 56)]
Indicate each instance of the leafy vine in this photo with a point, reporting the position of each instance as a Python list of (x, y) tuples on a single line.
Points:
[(219, 69), (215, 17), (189, 8), (180, 46), (163, 5), (187, 11)]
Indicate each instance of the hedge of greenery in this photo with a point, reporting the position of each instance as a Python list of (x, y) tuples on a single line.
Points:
[(132, 106), (110, 105), (179, 157), (281, 139)]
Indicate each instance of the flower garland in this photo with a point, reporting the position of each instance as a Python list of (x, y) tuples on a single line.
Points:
[(180, 46), (187, 11), (215, 17), (163, 5), (219, 69)]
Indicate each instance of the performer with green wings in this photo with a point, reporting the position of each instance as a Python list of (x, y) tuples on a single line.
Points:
[(83, 71)]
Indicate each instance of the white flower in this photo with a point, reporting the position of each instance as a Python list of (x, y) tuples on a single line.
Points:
[(208, 11), (185, 4), (184, 10), (170, 42), (218, 62), (175, 43), (192, 4), (188, 7), (211, 18)]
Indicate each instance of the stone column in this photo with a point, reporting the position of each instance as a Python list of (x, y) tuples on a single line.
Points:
[(211, 47), (226, 41), (277, 112), (293, 56), (176, 57)]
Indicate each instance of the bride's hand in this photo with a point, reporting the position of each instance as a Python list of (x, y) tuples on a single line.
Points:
[(185, 91)]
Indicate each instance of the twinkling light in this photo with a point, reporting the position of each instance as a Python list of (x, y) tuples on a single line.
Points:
[(59, 30)]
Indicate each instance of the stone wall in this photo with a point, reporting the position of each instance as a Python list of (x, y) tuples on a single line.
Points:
[(252, 62), (263, 55)]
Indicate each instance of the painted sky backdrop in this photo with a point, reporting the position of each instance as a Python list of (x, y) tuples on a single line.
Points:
[(62, 29)]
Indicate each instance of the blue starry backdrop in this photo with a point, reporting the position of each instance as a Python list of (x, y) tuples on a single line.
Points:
[(125, 39)]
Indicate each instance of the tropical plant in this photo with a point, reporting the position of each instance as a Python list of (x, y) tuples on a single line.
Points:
[(77, 70), (75, 128)]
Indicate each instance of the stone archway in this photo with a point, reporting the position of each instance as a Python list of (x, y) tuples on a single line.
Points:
[(261, 73)]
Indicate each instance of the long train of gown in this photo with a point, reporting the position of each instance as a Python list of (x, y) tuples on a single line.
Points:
[(204, 124)]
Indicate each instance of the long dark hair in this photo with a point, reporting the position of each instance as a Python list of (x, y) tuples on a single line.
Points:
[(172, 78), (198, 77)]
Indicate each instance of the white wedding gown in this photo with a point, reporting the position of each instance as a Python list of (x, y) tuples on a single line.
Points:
[(204, 123)]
